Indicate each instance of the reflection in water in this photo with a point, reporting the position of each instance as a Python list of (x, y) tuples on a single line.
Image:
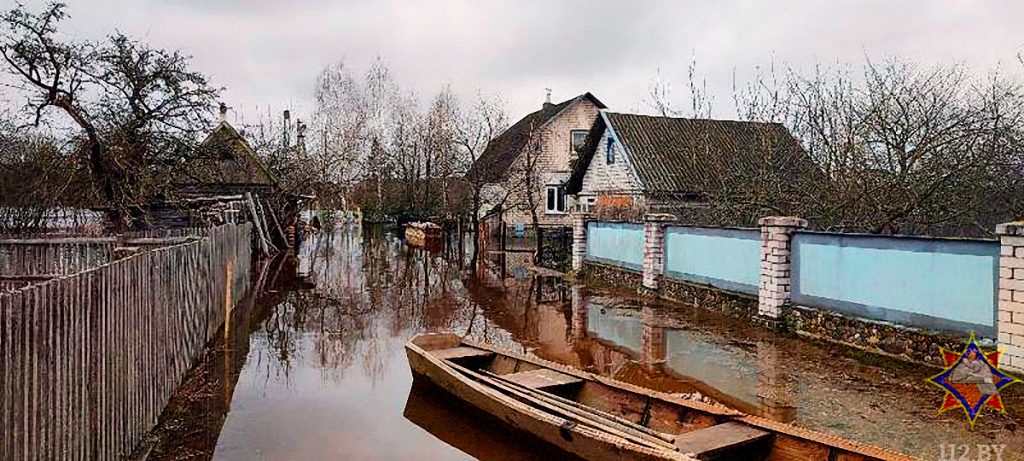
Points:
[(477, 434), (325, 375)]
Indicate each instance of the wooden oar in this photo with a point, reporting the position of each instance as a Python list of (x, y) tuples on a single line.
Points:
[(594, 411), (573, 413)]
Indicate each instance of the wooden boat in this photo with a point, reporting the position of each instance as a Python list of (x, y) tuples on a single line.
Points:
[(423, 234), (599, 418), (471, 431)]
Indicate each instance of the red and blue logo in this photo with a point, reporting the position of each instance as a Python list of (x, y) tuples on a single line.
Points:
[(972, 380)]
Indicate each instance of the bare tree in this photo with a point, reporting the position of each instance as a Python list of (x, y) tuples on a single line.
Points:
[(910, 149), (136, 107), (444, 159), (38, 180), (477, 125), (700, 102), (894, 148), (527, 185), (899, 148)]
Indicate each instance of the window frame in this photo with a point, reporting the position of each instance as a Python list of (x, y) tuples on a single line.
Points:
[(609, 151), (572, 137), (554, 193)]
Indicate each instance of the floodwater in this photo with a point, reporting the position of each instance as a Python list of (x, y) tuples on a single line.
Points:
[(316, 369)]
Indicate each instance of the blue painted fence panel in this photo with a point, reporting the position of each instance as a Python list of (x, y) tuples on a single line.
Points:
[(932, 283), (725, 258), (618, 244)]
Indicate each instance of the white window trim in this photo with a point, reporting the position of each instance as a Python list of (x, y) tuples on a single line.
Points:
[(554, 211)]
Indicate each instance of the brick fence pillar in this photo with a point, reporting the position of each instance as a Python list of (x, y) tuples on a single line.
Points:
[(654, 248), (774, 292), (1010, 311), (579, 239)]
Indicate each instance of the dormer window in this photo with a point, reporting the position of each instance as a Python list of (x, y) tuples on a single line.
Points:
[(579, 137), (609, 153)]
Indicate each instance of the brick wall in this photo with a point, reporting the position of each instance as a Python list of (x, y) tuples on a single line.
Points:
[(555, 160), (615, 179), (654, 248), (579, 240), (776, 273), (1010, 311)]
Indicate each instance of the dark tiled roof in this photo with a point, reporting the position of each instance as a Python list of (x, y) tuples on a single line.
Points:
[(225, 157), (693, 156), (503, 149)]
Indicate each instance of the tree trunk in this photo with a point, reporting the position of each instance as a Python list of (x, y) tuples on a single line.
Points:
[(102, 171), (475, 220), (536, 233)]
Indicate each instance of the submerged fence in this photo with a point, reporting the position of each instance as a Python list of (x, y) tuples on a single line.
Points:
[(935, 283), (88, 361)]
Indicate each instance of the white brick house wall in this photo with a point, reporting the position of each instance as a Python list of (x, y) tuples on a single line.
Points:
[(555, 159), (616, 179)]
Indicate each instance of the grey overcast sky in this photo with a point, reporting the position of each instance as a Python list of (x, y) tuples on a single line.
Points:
[(268, 52)]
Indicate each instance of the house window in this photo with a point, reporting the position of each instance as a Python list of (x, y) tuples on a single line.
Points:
[(609, 152), (579, 137), (555, 202)]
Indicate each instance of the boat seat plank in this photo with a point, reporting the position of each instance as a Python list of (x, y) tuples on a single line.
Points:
[(460, 353), (722, 440), (541, 378)]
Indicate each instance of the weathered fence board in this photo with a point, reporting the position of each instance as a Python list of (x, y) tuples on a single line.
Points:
[(89, 360), (27, 261)]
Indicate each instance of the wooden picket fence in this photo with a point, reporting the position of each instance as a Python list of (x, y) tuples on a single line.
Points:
[(27, 261), (88, 361)]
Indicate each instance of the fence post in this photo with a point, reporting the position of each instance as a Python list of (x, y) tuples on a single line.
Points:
[(579, 239), (774, 292), (1010, 312), (654, 248)]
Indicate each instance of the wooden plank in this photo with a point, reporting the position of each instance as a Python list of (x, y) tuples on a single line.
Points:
[(789, 448), (724, 440), (30, 277), (58, 241), (460, 353), (264, 250), (541, 378)]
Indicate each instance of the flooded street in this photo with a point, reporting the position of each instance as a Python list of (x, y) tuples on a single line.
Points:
[(317, 369)]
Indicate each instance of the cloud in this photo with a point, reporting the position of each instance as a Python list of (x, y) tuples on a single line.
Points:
[(268, 53)]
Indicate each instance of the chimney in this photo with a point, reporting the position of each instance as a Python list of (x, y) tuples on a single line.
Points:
[(300, 137), (287, 127), (223, 112), (547, 98)]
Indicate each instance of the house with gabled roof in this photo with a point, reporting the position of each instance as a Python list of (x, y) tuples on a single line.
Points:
[(673, 164), (224, 162), (554, 134)]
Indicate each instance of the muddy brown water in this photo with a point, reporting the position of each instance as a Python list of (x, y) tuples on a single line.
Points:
[(316, 369)]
